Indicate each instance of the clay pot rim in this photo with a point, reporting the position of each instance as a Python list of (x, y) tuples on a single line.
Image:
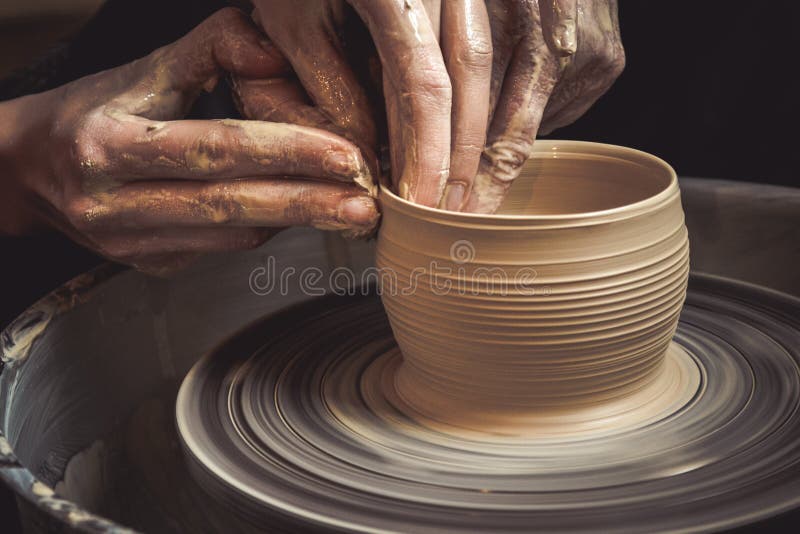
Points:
[(562, 147)]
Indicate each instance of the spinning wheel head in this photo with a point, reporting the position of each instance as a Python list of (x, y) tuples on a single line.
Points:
[(294, 424)]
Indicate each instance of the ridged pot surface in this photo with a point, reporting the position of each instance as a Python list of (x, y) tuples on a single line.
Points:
[(563, 302)]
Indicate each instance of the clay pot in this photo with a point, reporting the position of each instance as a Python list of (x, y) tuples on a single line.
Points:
[(557, 310)]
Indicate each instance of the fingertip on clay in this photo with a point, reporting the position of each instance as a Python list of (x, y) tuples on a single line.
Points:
[(358, 211)]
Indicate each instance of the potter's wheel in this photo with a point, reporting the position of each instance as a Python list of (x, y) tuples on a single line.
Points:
[(282, 424)]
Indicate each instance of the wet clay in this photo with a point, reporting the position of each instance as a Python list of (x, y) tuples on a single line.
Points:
[(552, 317)]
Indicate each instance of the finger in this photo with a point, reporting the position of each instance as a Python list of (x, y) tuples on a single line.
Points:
[(284, 100), (506, 36), (227, 41), (327, 77), (592, 70), (279, 100), (529, 81), (134, 148), (467, 48), (128, 245), (572, 109), (573, 98), (559, 24), (253, 203), (418, 96), (434, 8)]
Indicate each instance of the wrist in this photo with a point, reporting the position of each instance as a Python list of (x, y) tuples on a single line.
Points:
[(24, 131)]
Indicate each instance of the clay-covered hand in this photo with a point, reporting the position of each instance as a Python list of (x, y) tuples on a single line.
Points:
[(462, 117), (552, 59), (330, 44), (108, 161)]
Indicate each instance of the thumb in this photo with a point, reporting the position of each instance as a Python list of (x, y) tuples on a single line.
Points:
[(225, 42)]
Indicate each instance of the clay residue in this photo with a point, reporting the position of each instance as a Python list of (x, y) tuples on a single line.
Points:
[(261, 133), (19, 337)]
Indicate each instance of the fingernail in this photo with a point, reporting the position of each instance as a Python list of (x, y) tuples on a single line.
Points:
[(564, 37), (358, 211), (454, 196), (341, 164)]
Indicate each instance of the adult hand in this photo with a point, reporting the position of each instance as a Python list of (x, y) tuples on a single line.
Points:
[(464, 117), (324, 45), (552, 59), (106, 159)]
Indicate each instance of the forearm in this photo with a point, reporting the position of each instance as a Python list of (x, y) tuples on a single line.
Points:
[(24, 130)]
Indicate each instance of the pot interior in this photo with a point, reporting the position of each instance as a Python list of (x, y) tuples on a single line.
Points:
[(575, 178)]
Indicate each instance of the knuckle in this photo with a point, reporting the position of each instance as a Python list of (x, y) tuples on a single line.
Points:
[(296, 212), (467, 148), (434, 84), (220, 26), (84, 214), (428, 76), (88, 152), (304, 207), (216, 208), (505, 158), (432, 90), (611, 58), (618, 63), (90, 157), (475, 56), (208, 153), (226, 15)]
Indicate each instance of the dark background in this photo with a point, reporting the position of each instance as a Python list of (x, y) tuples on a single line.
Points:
[(710, 86)]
